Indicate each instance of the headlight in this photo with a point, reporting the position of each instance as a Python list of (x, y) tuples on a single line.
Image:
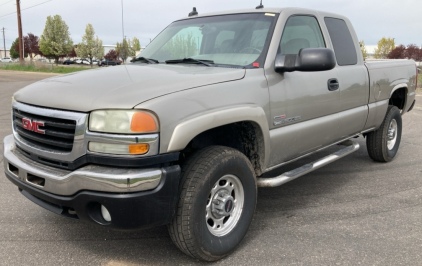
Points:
[(124, 122)]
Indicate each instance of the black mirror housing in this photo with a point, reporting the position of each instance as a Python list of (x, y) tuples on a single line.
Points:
[(308, 59)]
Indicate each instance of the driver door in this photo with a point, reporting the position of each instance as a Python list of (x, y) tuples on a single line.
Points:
[(303, 109)]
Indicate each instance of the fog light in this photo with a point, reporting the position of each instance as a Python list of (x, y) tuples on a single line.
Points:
[(106, 215)]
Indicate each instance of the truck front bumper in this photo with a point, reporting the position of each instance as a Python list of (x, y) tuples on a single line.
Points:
[(135, 198)]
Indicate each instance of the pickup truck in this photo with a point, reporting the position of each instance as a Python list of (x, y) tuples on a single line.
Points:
[(184, 135), (106, 62)]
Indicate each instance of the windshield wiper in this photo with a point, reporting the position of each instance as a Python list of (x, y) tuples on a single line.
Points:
[(147, 60), (208, 63)]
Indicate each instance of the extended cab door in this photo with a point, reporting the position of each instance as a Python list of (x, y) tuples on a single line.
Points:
[(304, 109), (352, 76)]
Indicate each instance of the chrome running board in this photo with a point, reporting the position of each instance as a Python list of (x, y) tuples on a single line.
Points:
[(351, 147)]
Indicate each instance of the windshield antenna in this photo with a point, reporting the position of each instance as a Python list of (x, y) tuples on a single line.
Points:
[(260, 6), (193, 13)]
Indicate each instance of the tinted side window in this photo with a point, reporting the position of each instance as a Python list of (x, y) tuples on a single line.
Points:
[(301, 32), (341, 38)]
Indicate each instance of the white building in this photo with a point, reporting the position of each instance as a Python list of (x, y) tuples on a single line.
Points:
[(3, 54), (108, 48)]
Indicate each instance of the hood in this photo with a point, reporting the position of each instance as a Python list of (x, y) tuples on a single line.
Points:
[(121, 87)]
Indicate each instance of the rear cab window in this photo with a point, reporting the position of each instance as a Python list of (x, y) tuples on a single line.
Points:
[(343, 44)]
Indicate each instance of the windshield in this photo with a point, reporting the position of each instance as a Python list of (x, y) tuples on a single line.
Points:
[(239, 40)]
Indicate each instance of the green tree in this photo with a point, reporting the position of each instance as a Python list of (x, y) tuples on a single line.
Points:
[(136, 45), (91, 47), (125, 49), (55, 42), (181, 47), (13, 52), (363, 49), (15, 49), (385, 46)]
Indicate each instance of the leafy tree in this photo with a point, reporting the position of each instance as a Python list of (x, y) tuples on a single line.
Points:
[(15, 48), (55, 42), (31, 45), (73, 52), (125, 49), (363, 49), (413, 52), (397, 53), (385, 46), (136, 45), (112, 55), (91, 47), (181, 47), (14, 53)]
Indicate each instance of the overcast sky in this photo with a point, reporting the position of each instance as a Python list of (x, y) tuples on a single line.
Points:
[(372, 19)]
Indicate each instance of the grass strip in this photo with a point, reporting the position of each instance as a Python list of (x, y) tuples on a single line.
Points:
[(43, 68)]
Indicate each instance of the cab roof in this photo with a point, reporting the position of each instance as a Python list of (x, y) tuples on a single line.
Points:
[(262, 10)]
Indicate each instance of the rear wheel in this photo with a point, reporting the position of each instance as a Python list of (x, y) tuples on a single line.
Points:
[(216, 205), (383, 143)]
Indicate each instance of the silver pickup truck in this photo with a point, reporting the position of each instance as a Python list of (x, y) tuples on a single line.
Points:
[(183, 135)]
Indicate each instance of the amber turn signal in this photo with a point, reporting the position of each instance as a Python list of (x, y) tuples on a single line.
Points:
[(143, 122), (138, 148)]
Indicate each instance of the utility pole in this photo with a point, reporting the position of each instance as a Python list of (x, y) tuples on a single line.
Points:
[(4, 43), (20, 31), (123, 33)]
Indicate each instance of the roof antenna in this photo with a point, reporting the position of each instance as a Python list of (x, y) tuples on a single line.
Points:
[(193, 13), (260, 6)]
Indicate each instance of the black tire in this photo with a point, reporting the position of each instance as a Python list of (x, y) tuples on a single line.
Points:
[(377, 141), (189, 229)]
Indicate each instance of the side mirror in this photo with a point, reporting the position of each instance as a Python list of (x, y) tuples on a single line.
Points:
[(308, 59)]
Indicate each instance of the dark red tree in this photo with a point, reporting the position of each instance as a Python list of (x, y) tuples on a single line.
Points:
[(73, 52), (398, 52), (112, 55), (413, 52), (31, 44)]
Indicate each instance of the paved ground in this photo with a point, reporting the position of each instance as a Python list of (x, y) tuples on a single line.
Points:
[(351, 212)]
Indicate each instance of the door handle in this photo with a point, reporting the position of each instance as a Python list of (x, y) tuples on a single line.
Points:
[(333, 85)]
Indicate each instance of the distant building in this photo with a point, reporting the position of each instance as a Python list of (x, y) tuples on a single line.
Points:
[(108, 48), (2, 53)]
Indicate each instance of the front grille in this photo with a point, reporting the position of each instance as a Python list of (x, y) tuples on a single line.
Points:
[(59, 133)]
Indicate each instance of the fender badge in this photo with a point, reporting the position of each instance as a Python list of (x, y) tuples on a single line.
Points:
[(279, 117), (286, 120)]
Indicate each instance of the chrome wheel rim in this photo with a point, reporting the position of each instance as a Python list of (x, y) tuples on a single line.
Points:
[(224, 205), (392, 134)]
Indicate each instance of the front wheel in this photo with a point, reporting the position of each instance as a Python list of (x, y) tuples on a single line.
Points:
[(383, 143), (216, 205)]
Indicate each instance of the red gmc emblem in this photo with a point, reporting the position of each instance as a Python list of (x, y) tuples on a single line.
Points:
[(30, 125)]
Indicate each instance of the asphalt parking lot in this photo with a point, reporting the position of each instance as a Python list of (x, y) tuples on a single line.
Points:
[(352, 212)]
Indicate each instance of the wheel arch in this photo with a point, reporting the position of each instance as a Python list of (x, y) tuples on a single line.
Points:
[(398, 96), (250, 122)]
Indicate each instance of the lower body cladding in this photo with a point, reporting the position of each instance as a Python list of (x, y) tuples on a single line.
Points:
[(123, 199)]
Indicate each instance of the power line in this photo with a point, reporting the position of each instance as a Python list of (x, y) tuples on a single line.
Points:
[(26, 8), (6, 3)]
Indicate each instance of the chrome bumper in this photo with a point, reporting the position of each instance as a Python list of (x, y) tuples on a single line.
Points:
[(90, 177)]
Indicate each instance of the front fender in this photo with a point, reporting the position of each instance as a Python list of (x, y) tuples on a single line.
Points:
[(190, 128)]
